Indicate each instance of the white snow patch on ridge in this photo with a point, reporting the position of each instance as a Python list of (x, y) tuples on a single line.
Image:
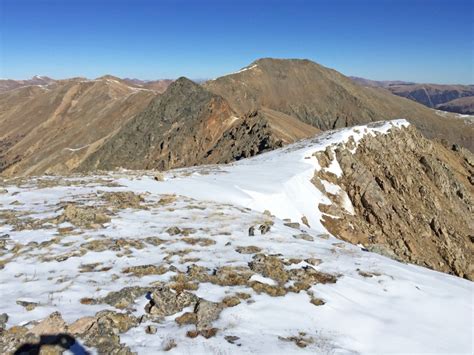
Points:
[(278, 181), (240, 71)]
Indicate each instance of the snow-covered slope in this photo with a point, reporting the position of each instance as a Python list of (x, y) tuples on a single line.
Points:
[(311, 293), (278, 181)]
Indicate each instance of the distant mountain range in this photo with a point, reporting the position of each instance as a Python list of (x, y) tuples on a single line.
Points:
[(442, 97), (60, 126), (9, 84)]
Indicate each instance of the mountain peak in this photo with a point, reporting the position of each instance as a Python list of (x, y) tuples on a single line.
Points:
[(182, 85), (109, 77), (270, 60)]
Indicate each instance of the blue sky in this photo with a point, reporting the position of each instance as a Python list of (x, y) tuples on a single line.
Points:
[(417, 40)]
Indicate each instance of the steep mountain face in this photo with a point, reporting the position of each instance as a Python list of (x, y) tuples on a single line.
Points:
[(464, 105), (327, 99), (185, 126), (412, 199), (51, 130)]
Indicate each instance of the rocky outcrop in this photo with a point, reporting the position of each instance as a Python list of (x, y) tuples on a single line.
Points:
[(412, 198)]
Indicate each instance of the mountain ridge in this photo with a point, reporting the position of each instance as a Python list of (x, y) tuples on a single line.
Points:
[(325, 98)]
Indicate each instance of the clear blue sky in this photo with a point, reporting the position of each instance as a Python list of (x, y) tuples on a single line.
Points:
[(418, 40)]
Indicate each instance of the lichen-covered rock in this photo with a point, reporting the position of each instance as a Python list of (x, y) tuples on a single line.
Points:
[(271, 290), (269, 266), (186, 318), (250, 249), (103, 333), (124, 297), (206, 313), (83, 216), (164, 301), (124, 199), (142, 270), (54, 324)]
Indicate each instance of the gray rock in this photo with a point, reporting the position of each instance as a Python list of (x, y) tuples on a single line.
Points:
[(206, 312), (165, 302), (3, 320)]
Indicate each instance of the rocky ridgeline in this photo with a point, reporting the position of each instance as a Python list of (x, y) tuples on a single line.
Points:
[(412, 199)]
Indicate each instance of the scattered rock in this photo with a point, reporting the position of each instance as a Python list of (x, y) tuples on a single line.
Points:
[(83, 216), (169, 344), (159, 177), (102, 334), (274, 291), (65, 230), (167, 199), (81, 325), (231, 276), (208, 333), (173, 231), (165, 302), (304, 236), (251, 231), (310, 276), (304, 220), (231, 339), (142, 270), (251, 249), (3, 321), (54, 324), (125, 297), (29, 306), (368, 273), (206, 313), (317, 301), (313, 261), (124, 199), (243, 295), (187, 318), (269, 266), (301, 340), (264, 228), (203, 242), (192, 333), (151, 329), (231, 301), (294, 225)]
